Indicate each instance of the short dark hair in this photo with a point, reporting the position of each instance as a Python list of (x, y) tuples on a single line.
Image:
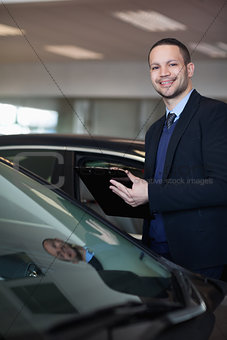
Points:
[(172, 41)]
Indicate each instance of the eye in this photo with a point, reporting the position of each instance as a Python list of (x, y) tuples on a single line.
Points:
[(173, 64), (154, 68)]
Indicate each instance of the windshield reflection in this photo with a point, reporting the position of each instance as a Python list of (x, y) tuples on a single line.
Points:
[(119, 280)]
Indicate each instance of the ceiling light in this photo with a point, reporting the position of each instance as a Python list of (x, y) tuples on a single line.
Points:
[(73, 52), (208, 49), (222, 45), (9, 30), (150, 21), (24, 1)]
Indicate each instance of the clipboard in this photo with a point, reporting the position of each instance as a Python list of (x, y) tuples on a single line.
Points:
[(97, 181)]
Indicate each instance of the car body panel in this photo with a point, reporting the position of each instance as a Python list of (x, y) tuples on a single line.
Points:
[(29, 213)]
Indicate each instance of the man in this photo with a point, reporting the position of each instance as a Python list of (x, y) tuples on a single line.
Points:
[(185, 168), (70, 252), (122, 281)]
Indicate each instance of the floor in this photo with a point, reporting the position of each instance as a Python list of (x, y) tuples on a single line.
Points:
[(220, 329)]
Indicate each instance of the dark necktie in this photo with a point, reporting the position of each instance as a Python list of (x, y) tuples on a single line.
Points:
[(95, 263), (170, 119)]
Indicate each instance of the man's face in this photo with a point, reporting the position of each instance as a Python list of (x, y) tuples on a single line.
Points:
[(62, 250), (169, 75)]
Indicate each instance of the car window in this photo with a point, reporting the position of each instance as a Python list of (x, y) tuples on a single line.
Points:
[(56, 167), (40, 214), (99, 163), (42, 162), (39, 211)]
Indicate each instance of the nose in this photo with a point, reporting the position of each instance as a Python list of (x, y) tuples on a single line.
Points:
[(59, 245), (164, 71), (60, 251)]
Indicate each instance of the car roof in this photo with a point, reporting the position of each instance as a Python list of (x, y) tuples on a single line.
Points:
[(113, 143), (99, 143)]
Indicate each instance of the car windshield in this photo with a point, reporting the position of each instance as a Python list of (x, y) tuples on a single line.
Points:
[(57, 259)]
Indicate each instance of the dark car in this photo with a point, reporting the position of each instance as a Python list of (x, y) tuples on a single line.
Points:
[(100, 283), (65, 161)]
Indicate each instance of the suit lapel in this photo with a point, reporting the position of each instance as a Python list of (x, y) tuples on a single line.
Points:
[(184, 120)]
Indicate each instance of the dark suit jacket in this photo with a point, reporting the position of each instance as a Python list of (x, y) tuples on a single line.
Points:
[(193, 194), (96, 263), (130, 283)]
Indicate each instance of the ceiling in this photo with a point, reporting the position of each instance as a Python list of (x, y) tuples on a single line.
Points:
[(90, 24)]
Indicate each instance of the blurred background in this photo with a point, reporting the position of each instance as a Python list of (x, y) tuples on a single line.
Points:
[(81, 66)]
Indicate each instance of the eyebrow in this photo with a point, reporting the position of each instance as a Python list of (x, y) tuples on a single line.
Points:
[(168, 61)]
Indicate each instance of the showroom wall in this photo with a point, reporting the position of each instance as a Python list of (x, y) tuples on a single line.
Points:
[(101, 79), (114, 99)]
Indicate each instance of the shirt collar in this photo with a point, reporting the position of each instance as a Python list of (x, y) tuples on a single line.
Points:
[(180, 106), (89, 254)]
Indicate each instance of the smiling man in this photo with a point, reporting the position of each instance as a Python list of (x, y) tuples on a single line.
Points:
[(64, 251), (171, 73), (68, 252), (185, 170)]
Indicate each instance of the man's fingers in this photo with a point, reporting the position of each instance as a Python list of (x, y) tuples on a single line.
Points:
[(122, 191), (122, 194), (133, 178), (131, 196), (119, 186)]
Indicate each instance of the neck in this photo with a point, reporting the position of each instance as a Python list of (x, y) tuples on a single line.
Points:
[(83, 254)]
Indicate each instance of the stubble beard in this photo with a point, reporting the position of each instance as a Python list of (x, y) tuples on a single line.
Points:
[(78, 255), (181, 88)]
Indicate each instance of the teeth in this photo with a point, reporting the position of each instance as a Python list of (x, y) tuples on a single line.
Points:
[(166, 82)]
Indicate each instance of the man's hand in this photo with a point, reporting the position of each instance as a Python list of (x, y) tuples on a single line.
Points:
[(137, 195)]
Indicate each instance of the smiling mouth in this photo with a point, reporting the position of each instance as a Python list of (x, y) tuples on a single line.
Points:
[(166, 82), (65, 251)]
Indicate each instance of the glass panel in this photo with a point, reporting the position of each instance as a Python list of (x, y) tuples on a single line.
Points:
[(105, 164), (37, 205), (18, 265), (43, 300), (95, 266), (43, 163)]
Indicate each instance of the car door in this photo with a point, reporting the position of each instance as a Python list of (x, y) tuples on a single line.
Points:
[(59, 165)]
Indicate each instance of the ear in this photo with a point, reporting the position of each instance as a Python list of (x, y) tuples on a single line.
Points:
[(190, 69)]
